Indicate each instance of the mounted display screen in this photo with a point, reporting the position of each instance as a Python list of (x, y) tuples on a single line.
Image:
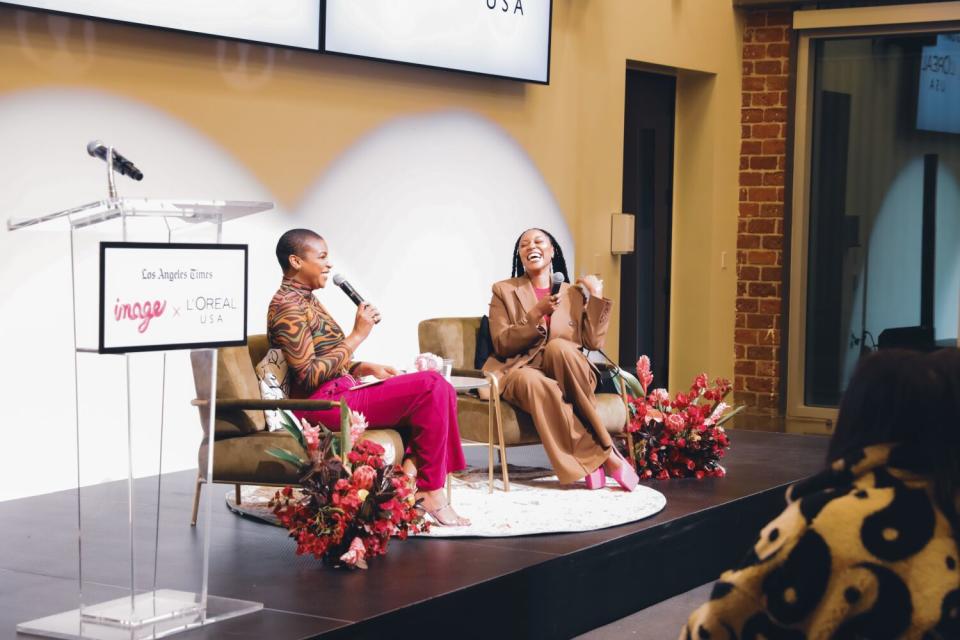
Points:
[(291, 23), (507, 38), (938, 101), (503, 38)]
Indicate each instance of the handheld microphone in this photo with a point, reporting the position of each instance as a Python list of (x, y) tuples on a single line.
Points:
[(120, 164), (557, 279), (345, 286)]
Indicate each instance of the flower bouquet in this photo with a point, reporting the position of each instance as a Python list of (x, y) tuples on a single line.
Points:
[(428, 362), (350, 503), (679, 437)]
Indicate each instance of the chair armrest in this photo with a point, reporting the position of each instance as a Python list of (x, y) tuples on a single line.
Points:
[(252, 404), (468, 373)]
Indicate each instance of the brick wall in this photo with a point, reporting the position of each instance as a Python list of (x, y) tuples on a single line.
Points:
[(759, 305)]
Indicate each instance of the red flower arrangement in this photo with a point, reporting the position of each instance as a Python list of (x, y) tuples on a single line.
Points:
[(347, 510), (680, 437)]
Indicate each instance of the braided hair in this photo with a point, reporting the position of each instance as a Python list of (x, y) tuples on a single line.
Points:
[(558, 263)]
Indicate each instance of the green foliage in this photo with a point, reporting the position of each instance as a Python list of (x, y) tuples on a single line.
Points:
[(293, 428), (633, 385), (286, 456), (731, 414)]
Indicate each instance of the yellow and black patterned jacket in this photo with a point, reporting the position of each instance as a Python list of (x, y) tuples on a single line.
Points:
[(861, 551)]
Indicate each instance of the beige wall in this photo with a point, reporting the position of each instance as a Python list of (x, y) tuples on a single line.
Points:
[(286, 115), (700, 42)]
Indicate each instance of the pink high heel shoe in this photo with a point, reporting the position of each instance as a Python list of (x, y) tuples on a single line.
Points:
[(625, 476), (597, 479)]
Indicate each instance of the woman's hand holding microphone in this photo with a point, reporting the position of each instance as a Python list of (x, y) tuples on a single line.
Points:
[(367, 316), (546, 306)]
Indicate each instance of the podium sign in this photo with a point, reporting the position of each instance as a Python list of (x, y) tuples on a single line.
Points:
[(165, 296)]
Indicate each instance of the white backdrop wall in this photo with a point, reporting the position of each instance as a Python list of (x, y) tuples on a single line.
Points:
[(420, 214)]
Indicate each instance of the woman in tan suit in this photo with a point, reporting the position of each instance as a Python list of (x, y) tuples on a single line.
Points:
[(537, 340)]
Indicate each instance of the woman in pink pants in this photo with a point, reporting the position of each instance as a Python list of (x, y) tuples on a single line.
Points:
[(320, 356)]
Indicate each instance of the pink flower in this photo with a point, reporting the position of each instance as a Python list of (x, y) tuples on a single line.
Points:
[(358, 424), (701, 382), (717, 414), (644, 373), (659, 397), (311, 435), (354, 557), (428, 362), (363, 477), (675, 422)]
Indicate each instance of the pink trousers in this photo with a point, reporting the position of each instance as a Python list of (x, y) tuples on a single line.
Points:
[(423, 400)]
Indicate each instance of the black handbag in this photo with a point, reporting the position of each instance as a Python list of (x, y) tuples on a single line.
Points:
[(608, 374), (484, 344)]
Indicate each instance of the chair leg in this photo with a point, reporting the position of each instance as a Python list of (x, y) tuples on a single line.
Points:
[(632, 458), (196, 501), (626, 405), (504, 472), (490, 418), (236, 494)]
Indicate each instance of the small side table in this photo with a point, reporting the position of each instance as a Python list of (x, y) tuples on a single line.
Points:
[(465, 383)]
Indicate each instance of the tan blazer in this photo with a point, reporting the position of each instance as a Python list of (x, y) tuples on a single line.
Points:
[(516, 341)]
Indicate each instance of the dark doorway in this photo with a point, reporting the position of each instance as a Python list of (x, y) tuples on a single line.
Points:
[(832, 234), (648, 194)]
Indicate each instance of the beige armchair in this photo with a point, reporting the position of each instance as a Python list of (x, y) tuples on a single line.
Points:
[(240, 436), (498, 424)]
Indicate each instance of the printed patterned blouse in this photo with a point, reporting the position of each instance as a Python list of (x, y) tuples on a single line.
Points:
[(862, 551), (311, 340)]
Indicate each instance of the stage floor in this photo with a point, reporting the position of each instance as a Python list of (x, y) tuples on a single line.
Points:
[(530, 587)]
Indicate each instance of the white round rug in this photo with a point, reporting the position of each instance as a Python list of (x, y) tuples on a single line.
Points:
[(535, 504), (539, 504)]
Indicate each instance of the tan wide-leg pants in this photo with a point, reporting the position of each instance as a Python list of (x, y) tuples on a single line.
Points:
[(556, 389)]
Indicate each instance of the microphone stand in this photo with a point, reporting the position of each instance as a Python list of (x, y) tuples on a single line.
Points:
[(111, 178)]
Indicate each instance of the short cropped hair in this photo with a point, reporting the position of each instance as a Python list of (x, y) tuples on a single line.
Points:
[(292, 243)]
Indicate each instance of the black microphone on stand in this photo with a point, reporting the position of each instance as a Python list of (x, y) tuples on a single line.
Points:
[(345, 286), (120, 164)]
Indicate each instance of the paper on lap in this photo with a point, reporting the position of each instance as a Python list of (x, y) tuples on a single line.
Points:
[(369, 381)]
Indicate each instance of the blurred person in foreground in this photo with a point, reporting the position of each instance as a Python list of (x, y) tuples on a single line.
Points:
[(867, 548)]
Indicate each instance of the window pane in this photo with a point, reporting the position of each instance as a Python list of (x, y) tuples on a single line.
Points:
[(883, 258)]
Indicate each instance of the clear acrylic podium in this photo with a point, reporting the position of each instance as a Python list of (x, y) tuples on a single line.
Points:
[(130, 407)]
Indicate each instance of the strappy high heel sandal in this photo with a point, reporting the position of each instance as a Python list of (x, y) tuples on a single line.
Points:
[(437, 519)]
